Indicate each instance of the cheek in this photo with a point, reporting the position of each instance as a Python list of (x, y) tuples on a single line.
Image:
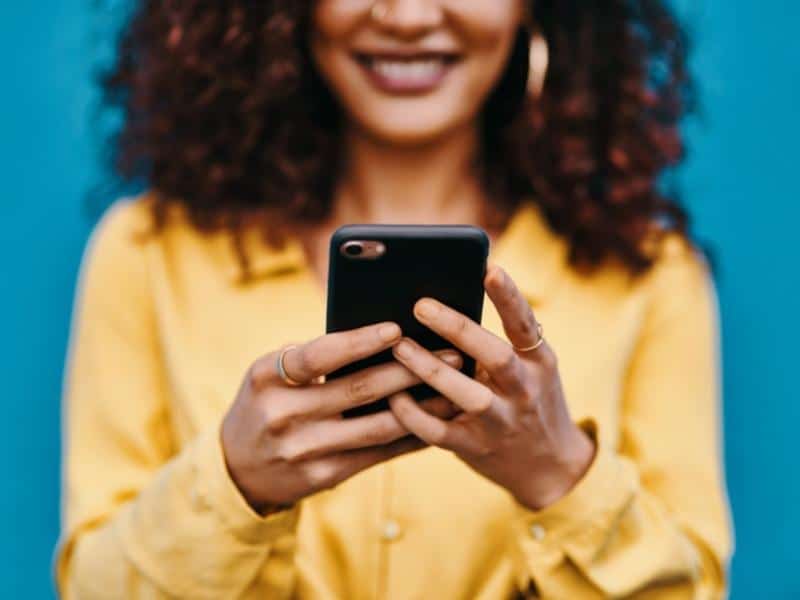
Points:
[(337, 18), (333, 21), (488, 29), (333, 25), (486, 22)]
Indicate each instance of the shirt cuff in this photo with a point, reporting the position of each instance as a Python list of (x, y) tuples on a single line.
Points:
[(217, 489), (578, 522)]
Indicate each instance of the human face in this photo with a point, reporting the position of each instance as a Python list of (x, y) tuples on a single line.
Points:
[(410, 71)]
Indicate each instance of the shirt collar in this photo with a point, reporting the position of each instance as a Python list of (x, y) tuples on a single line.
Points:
[(265, 261), (528, 250)]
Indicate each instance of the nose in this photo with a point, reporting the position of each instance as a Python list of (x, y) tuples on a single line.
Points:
[(408, 18)]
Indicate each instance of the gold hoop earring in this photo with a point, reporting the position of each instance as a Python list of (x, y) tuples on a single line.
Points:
[(539, 59)]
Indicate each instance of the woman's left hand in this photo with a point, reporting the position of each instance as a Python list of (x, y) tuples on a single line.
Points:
[(515, 428)]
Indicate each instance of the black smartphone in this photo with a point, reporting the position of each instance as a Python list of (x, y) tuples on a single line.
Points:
[(378, 272)]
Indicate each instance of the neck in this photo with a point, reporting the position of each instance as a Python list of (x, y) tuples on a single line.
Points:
[(428, 183)]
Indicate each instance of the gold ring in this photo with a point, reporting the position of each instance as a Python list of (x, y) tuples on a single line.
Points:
[(539, 342), (379, 11), (282, 369)]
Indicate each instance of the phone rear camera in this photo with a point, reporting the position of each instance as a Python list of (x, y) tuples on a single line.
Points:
[(354, 249)]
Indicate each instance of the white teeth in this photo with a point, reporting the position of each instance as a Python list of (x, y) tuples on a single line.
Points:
[(408, 71)]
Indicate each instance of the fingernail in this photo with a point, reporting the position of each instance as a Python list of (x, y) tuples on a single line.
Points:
[(425, 309), (497, 277), (403, 349), (389, 332)]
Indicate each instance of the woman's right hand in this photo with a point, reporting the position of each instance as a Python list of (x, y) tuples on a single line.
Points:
[(284, 443)]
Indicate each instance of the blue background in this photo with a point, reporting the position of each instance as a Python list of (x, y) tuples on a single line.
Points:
[(739, 182)]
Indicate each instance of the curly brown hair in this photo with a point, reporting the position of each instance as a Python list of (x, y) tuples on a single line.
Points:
[(225, 115)]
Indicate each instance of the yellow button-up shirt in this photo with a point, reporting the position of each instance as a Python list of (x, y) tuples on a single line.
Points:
[(164, 330)]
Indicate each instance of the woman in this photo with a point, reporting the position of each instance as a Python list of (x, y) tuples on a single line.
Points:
[(205, 458)]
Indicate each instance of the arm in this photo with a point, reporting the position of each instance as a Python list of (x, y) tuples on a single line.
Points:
[(138, 518), (649, 519)]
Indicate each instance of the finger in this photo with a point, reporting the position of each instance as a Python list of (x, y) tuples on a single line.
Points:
[(428, 427), (330, 352), (440, 407), (482, 375), (469, 395), (519, 321), (355, 461), (364, 387), (495, 354), (333, 436)]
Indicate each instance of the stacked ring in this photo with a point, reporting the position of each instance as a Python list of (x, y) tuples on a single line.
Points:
[(539, 342)]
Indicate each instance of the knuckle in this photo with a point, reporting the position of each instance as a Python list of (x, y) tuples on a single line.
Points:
[(293, 452), (275, 425), (279, 417), (460, 324), (359, 390), (321, 473), (506, 362), (260, 372), (433, 370), (549, 361)]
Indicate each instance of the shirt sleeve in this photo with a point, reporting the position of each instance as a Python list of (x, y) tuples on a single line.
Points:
[(650, 517), (140, 519)]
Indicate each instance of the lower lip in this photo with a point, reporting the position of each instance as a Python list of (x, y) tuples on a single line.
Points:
[(401, 85)]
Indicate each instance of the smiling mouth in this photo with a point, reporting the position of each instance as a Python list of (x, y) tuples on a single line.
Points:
[(409, 74)]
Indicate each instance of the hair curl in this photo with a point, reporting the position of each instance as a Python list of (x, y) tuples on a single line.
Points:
[(225, 115)]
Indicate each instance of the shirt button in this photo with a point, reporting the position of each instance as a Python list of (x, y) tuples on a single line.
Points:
[(391, 530), (537, 532)]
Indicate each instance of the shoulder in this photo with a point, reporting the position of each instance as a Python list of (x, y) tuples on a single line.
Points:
[(125, 224), (679, 278), (680, 284), (129, 228), (679, 265), (144, 239), (115, 251)]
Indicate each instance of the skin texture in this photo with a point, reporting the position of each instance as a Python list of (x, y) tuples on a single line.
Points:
[(409, 159), (283, 443), (515, 428), (480, 31)]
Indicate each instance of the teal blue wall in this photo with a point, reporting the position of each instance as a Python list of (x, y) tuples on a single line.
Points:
[(740, 183)]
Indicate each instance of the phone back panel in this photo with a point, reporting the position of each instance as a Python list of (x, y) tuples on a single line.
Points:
[(447, 263)]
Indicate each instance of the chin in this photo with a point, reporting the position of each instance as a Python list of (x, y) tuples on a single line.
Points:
[(408, 126)]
